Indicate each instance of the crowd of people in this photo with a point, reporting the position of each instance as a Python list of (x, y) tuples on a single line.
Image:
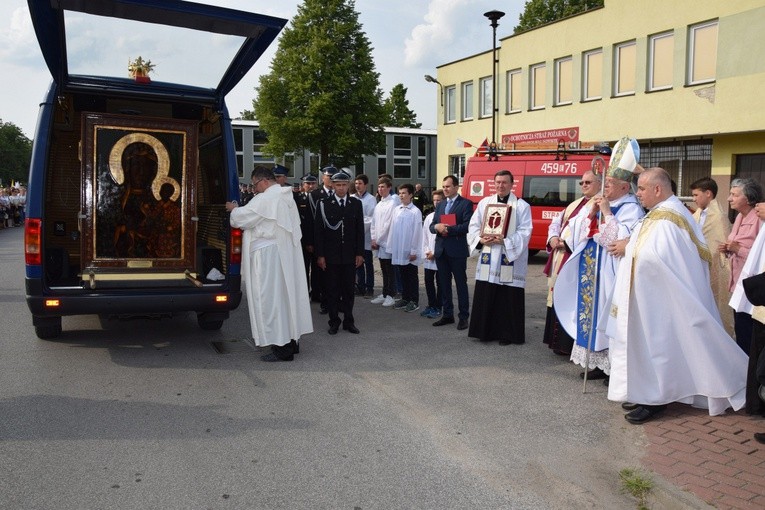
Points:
[(13, 200), (642, 294)]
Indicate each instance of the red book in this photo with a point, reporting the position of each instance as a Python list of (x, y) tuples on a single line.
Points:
[(449, 219)]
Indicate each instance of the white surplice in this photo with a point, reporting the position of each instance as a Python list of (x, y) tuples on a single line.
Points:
[(667, 343), (515, 249), (381, 221), (755, 264), (368, 204), (405, 236), (272, 267), (428, 243)]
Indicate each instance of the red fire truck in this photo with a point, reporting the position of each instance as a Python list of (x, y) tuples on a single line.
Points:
[(546, 178)]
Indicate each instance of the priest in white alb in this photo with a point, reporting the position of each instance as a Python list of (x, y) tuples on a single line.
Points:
[(272, 266), (502, 245), (667, 343)]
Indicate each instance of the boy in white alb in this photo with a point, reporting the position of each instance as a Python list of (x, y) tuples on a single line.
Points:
[(405, 247), (380, 230)]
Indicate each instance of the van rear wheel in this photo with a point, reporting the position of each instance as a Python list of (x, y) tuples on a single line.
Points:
[(49, 329), (211, 321), (210, 325)]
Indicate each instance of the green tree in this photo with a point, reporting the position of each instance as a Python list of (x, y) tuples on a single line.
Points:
[(397, 110), (539, 12), (15, 153), (322, 93)]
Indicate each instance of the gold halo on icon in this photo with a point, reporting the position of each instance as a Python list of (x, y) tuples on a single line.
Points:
[(156, 185), (163, 162)]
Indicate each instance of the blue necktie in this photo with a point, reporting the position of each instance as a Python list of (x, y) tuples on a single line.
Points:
[(448, 206)]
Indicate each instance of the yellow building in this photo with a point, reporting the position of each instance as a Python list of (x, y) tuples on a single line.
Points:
[(685, 78)]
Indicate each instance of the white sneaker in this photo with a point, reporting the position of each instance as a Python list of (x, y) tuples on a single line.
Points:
[(389, 301), (379, 299)]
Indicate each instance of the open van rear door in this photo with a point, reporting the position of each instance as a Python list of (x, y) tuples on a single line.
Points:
[(56, 21)]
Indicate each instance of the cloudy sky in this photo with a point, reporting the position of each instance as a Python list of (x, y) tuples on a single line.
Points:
[(410, 38)]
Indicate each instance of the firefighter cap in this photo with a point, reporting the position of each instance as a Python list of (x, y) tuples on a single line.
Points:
[(341, 177)]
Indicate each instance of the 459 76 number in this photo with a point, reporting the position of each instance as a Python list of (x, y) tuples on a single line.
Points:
[(559, 167)]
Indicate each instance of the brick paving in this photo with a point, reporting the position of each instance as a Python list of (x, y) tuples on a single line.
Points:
[(714, 457)]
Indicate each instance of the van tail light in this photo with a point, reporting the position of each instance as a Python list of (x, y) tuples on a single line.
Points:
[(32, 241), (236, 246)]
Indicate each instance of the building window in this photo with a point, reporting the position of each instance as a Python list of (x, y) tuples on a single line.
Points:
[(451, 104), (702, 58), (625, 65), (422, 157), (259, 139), (514, 91), (457, 166), (467, 100), (685, 161), (564, 81), (660, 61), (382, 167), (402, 157), (239, 166), (237, 140), (486, 99), (592, 74), (538, 76), (314, 162)]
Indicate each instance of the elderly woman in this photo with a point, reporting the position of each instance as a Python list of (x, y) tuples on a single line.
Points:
[(744, 195)]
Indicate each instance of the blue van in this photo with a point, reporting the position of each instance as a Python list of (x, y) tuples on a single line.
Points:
[(129, 176)]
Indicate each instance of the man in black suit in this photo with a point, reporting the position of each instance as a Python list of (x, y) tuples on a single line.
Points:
[(339, 250), (306, 222), (451, 251), (318, 277)]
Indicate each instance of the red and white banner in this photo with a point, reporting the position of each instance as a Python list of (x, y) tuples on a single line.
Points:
[(567, 135)]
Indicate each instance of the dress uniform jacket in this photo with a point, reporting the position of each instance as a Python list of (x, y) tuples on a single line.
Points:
[(344, 244), (306, 218)]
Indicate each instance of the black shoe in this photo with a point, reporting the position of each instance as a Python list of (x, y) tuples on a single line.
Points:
[(595, 373), (295, 347), (606, 381), (629, 406), (332, 330), (759, 437), (443, 321), (643, 414), (351, 329), (322, 311), (462, 324), (274, 357)]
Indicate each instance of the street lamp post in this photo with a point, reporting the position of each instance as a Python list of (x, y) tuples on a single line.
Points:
[(430, 79), (494, 17)]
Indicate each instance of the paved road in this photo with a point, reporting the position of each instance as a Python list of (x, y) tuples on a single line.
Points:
[(149, 414)]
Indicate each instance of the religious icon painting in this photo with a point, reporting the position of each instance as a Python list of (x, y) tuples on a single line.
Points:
[(138, 193)]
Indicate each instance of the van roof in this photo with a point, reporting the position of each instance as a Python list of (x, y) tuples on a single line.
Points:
[(174, 29)]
